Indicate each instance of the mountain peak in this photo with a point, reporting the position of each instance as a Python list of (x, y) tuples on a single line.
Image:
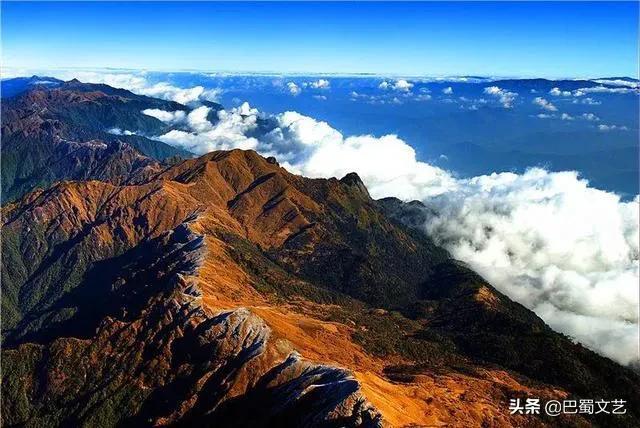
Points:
[(352, 179)]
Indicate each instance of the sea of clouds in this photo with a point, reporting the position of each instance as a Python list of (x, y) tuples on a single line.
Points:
[(548, 240)]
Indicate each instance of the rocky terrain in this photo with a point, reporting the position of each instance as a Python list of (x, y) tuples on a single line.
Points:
[(225, 291)]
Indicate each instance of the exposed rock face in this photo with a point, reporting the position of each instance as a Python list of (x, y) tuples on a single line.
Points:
[(413, 214), (352, 179), (154, 355), (225, 291)]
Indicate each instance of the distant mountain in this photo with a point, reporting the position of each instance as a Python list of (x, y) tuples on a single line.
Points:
[(624, 78), (545, 85), (15, 86), (64, 132), (225, 291)]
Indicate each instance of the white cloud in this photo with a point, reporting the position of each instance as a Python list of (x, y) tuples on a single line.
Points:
[(401, 85), (118, 131), (606, 128), (387, 164), (197, 119), (320, 97), (565, 250), (544, 116), (544, 104), (566, 116), (588, 101), (229, 132), (604, 90), (505, 97), (558, 93), (448, 90), (294, 89), (391, 97), (320, 84), (170, 117), (618, 82), (590, 116), (183, 96)]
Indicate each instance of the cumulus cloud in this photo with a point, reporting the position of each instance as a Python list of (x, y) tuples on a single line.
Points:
[(605, 90), (558, 93), (544, 104), (229, 132), (448, 90), (505, 97), (590, 116), (391, 97), (118, 131), (401, 85), (606, 128), (293, 89), (471, 103), (320, 84), (387, 164), (521, 233), (169, 117), (422, 97), (183, 96), (566, 116), (588, 101), (619, 82)]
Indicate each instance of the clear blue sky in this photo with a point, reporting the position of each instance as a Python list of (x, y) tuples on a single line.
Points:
[(505, 39)]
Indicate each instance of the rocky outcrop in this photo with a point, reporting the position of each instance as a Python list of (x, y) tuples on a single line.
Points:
[(154, 355)]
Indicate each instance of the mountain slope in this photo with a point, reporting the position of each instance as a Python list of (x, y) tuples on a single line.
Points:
[(156, 355), (18, 85), (64, 132), (269, 236)]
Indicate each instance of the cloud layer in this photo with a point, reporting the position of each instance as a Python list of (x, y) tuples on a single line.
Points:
[(567, 251)]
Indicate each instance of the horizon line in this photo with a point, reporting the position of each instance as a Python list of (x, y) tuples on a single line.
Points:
[(28, 72)]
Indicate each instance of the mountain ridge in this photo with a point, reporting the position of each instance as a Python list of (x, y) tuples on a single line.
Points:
[(416, 336)]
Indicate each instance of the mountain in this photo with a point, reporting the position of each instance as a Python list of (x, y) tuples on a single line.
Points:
[(545, 85), (65, 132), (225, 291), (12, 87)]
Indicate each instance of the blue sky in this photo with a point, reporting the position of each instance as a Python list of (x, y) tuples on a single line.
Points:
[(568, 39)]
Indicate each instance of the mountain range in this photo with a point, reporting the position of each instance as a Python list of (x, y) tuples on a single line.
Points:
[(142, 286)]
